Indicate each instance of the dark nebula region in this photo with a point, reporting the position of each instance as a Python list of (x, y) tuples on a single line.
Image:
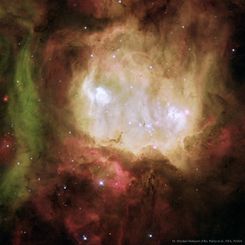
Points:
[(122, 121)]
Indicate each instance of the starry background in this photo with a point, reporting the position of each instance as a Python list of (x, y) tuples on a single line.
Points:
[(59, 184)]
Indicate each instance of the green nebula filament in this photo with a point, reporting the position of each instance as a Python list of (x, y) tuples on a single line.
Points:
[(24, 116)]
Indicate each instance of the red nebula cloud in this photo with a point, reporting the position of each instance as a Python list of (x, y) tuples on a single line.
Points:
[(7, 149)]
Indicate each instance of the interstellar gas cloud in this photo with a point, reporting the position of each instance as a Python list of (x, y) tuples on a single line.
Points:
[(122, 121)]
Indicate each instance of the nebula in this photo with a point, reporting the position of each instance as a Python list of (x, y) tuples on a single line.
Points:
[(122, 122), (125, 99)]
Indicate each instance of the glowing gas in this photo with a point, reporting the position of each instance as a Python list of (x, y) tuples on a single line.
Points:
[(140, 89)]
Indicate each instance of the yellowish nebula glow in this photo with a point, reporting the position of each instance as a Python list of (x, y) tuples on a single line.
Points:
[(128, 117), (142, 89)]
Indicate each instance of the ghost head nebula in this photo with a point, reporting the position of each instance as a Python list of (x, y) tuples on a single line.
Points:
[(122, 121)]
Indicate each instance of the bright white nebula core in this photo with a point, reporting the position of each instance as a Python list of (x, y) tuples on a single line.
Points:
[(130, 118), (135, 94)]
